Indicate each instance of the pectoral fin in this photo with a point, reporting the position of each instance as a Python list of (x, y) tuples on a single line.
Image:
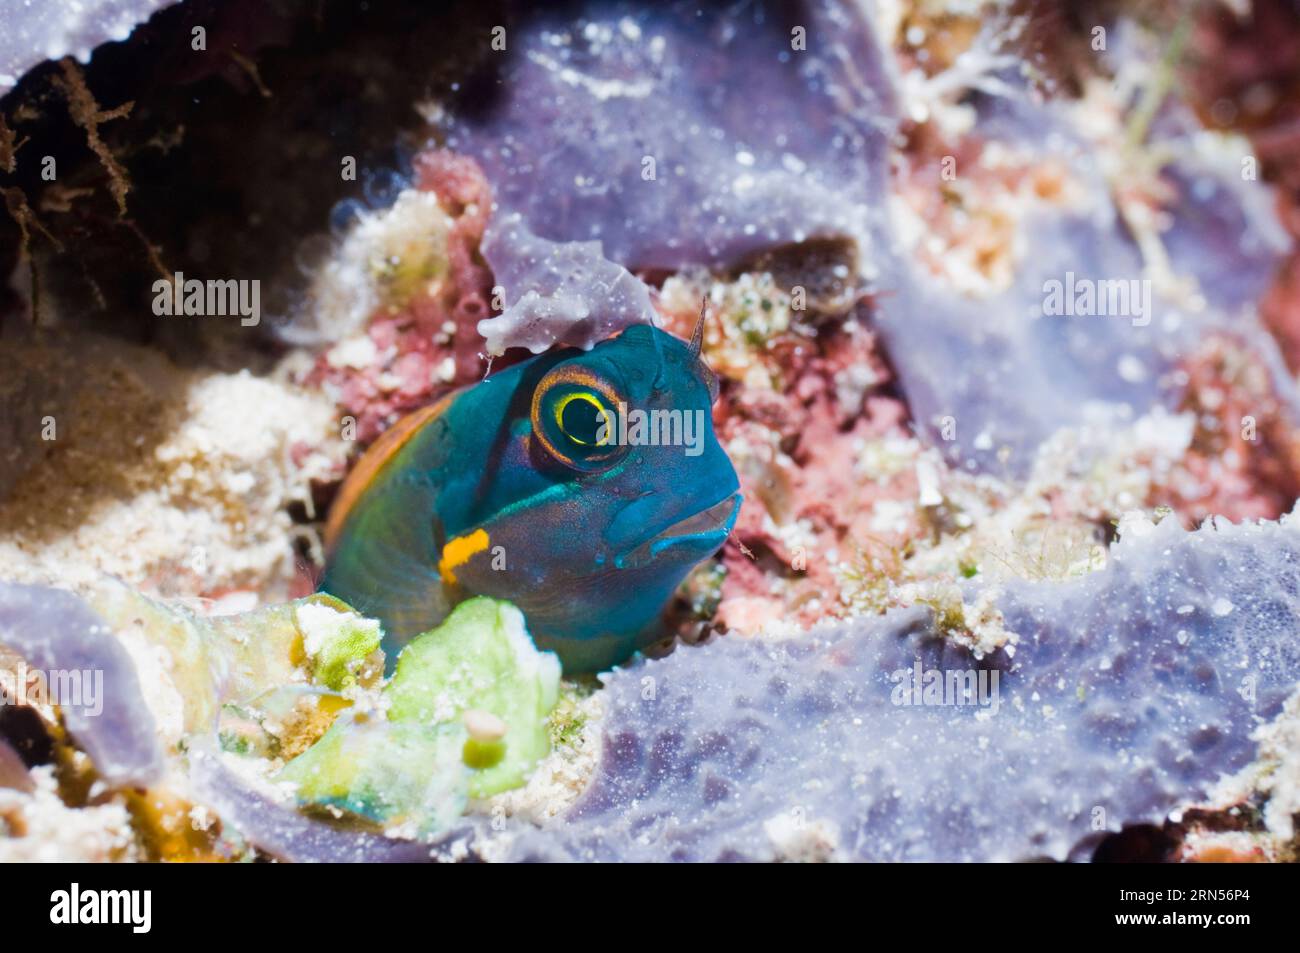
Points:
[(385, 539)]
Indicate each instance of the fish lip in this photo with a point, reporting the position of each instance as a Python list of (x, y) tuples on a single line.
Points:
[(705, 529)]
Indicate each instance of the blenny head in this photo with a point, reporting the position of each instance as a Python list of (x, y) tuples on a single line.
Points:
[(611, 489)]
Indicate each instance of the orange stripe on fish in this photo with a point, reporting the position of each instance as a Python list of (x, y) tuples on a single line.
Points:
[(372, 462)]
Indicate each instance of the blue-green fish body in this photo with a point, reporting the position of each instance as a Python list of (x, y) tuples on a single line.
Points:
[(581, 486)]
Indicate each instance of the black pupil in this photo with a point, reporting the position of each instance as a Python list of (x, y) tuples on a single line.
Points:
[(581, 420)]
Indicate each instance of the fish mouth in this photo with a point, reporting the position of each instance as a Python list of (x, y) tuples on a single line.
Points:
[(700, 533)]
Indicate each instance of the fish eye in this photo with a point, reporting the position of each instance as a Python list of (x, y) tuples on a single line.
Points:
[(584, 419), (574, 417)]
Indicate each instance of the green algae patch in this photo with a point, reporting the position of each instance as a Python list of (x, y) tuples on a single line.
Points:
[(205, 667), (481, 668), (338, 643), (464, 715), (386, 772)]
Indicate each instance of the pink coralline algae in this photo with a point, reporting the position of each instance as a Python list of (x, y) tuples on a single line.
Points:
[(428, 343), (799, 465), (1242, 463)]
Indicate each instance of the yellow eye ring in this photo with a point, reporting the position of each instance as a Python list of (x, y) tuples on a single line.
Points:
[(602, 412), (557, 391)]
